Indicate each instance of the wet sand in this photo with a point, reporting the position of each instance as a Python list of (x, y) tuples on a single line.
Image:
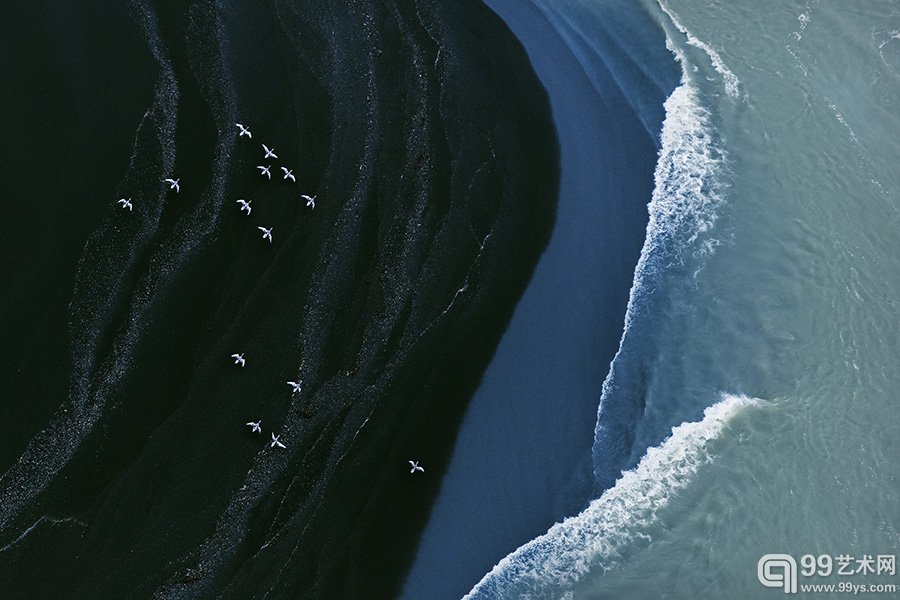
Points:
[(522, 459)]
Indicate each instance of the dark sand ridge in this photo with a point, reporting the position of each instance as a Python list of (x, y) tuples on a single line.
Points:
[(523, 456), (428, 140), (67, 138)]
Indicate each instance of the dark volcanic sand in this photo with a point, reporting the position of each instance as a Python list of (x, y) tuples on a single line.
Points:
[(428, 140)]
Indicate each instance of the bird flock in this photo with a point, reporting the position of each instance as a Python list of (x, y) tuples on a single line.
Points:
[(264, 170), (296, 388), (256, 426)]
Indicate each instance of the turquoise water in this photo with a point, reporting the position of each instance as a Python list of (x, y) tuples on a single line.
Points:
[(758, 372)]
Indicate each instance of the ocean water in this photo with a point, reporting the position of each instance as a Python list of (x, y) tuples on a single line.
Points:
[(752, 405)]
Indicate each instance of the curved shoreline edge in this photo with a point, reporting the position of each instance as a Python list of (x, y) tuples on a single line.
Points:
[(535, 412), (429, 142)]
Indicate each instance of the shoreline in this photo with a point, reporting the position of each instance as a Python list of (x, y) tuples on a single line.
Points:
[(535, 411)]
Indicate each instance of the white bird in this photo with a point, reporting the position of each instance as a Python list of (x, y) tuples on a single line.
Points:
[(310, 200), (289, 174), (255, 427), (267, 233), (276, 442), (296, 385), (126, 203), (414, 466), (245, 205), (173, 184), (244, 131), (269, 152), (239, 359), (264, 170)]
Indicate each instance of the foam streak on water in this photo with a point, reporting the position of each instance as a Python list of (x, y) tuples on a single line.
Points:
[(732, 83), (546, 566), (798, 303), (688, 190)]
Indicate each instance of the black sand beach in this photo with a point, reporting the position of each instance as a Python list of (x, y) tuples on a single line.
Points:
[(428, 141)]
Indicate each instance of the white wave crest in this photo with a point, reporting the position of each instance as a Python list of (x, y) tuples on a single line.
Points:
[(688, 190), (732, 83), (688, 184), (547, 565)]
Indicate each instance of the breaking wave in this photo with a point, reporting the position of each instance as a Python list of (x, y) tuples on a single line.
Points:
[(546, 566), (689, 188)]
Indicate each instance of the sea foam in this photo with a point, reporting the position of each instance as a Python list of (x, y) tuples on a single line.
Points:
[(689, 186), (732, 83), (546, 566)]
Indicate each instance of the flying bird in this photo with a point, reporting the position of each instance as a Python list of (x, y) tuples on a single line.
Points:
[(296, 385), (244, 131), (276, 442), (264, 170), (414, 466), (245, 205), (269, 152), (267, 233), (255, 427), (239, 359), (126, 203), (289, 174), (173, 184), (310, 201)]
